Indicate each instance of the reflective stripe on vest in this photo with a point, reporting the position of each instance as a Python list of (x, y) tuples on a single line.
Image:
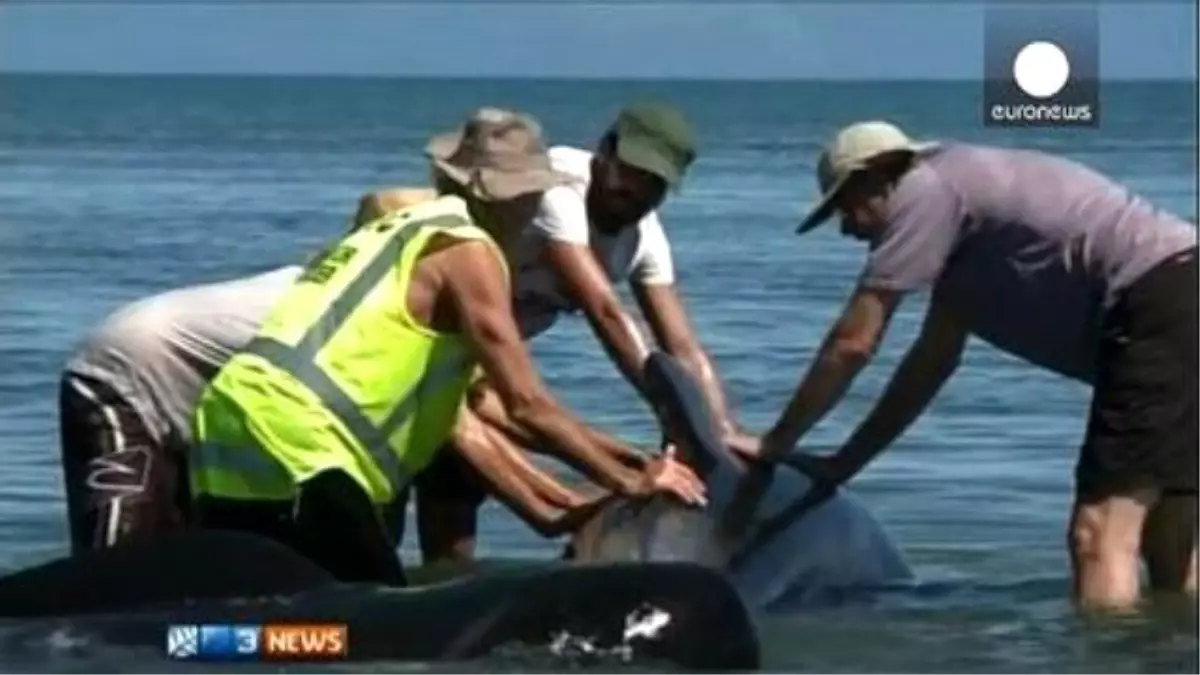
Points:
[(262, 468), (300, 362)]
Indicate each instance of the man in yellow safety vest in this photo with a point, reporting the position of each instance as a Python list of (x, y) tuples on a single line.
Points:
[(357, 377)]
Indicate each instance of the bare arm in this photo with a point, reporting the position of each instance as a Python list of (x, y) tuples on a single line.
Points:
[(545, 485), (517, 483), (481, 296), (663, 309), (488, 406), (586, 283), (848, 347), (925, 368), (923, 227)]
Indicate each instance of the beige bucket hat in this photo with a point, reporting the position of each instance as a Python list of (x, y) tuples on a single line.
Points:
[(851, 149), (496, 154)]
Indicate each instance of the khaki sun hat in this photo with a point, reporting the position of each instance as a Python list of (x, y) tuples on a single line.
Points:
[(497, 155), (851, 149)]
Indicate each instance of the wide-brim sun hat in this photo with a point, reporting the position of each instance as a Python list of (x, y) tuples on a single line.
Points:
[(496, 155)]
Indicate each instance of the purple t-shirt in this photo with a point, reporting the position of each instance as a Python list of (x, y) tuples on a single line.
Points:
[(1029, 249)]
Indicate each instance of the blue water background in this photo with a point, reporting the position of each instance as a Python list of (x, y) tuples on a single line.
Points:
[(116, 188)]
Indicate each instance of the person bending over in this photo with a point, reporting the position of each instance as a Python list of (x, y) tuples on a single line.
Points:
[(357, 377), (598, 228), (1049, 261)]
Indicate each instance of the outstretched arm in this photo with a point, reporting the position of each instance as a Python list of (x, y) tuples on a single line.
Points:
[(849, 346), (668, 319), (487, 405), (925, 368), (481, 296), (924, 221), (586, 283), (537, 498), (546, 486), (563, 225)]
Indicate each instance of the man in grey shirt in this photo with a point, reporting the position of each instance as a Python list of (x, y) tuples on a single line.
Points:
[(126, 398), (1049, 261)]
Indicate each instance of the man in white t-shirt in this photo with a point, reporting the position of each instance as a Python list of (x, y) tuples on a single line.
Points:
[(599, 230), (604, 229)]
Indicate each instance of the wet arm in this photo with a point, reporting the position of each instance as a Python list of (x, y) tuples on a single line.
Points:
[(488, 406), (924, 218), (517, 483), (481, 296), (547, 487), (668, 320), (586, 283), (925, 368), (849, 346)]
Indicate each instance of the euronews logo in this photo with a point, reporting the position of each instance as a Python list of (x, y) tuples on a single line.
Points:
[(1041, 66)]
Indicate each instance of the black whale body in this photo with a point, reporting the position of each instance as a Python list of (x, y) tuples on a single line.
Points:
[(129, 595), (634, 557)]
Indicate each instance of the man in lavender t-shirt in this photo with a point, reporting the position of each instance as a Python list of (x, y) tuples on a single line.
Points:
[(1049, 261)]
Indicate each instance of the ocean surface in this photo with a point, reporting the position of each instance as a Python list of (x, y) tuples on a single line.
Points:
[(116, 188)]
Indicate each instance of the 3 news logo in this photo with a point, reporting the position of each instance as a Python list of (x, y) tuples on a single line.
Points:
[(233, 642)]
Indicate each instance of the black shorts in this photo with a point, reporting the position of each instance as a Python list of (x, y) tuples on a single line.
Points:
[(331, 522), (450, 477), (1142, 428), (120, 482)]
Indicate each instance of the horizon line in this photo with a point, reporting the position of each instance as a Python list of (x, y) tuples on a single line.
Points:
[(1149, 79)]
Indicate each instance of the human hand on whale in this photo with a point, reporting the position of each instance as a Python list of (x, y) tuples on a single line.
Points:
[(661, 473), (666, 473), (827, 472)]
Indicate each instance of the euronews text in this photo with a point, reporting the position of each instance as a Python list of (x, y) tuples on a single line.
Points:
[(1041, 112)]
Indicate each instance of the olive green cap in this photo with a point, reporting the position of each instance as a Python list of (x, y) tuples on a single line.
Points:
[(655, 138)]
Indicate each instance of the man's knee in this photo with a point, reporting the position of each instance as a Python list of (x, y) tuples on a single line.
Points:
[(1103, 527), (1105, 537)]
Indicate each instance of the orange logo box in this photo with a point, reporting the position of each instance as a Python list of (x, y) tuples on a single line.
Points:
[(304, 641)]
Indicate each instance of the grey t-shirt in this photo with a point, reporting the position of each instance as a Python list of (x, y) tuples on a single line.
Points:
[(160, 352), (1028, 248)]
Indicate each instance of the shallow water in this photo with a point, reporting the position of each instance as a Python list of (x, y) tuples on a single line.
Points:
[(111, 189)]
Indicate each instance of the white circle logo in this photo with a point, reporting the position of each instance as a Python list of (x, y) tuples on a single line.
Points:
[(1041, 69)]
